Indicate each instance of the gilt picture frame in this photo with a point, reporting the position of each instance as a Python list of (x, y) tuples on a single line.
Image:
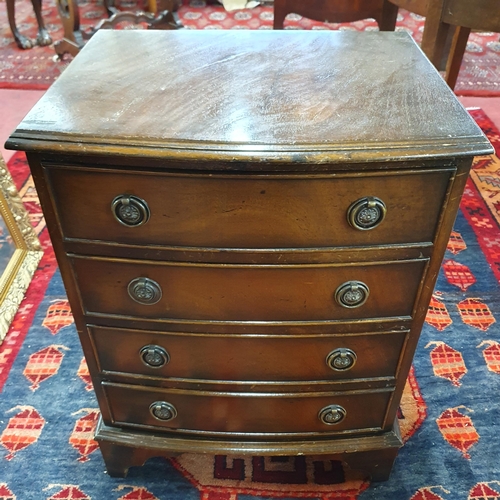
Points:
[(20, 250)]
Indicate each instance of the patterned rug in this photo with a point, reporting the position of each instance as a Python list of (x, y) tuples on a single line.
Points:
[(38, 68), (450, 413)]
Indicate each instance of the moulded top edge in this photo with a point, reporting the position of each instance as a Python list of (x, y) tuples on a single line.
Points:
[(253, 94), (269, 153)]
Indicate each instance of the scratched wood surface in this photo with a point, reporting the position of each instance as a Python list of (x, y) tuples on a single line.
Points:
[(254, 91)]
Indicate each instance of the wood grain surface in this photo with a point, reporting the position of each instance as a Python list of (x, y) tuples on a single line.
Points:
[(244, 93)]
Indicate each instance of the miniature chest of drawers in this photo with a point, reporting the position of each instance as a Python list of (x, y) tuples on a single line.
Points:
[(249, 226)]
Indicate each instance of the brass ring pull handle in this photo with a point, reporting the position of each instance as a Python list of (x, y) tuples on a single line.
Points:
[(144, 291), (366, 213), (154, 356), (332, 415), (341, 359), (352, 294), (163, 411), (129, 210)]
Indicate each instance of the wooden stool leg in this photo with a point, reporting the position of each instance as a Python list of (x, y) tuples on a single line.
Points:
[(456, 55)]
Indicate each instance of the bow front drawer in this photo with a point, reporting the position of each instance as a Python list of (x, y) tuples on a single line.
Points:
[(243, 211), (223, 292), (257, 413), (250, 357)]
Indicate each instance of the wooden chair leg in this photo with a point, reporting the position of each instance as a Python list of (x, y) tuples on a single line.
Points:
[(43, 37), (74, 39), (389, 16), (280, 13), (21, 41), (435, 32), (457, 51)]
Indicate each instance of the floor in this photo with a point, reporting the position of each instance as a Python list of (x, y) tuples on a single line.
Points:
[(16, 103)]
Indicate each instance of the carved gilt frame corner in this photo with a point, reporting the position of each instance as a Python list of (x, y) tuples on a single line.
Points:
[(18, 273)]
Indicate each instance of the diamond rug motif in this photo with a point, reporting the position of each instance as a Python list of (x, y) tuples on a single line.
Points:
[(449, 414)]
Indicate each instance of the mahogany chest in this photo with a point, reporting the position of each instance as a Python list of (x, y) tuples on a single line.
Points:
[(249, 226)]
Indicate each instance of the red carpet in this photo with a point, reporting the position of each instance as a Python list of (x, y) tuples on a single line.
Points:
[(37, 68)]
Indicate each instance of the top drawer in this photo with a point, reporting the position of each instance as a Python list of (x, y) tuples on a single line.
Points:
[(243, 211)]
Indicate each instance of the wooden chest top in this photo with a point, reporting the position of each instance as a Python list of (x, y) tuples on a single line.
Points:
[(307, 97)]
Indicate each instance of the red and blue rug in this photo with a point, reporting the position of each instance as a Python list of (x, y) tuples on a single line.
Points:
[(450, 414)]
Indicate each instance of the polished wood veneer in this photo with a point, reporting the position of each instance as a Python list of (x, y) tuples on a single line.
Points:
[(249, 211), (247, 359), (232, 292), (235, 413), (249, 227)]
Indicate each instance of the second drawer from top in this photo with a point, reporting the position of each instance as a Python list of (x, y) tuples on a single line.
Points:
[(165, 291)]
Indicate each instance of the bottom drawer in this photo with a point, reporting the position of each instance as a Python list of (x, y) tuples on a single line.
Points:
[(246, 414)]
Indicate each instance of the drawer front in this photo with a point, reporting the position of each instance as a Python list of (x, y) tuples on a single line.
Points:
[(245, 414), (247, 212), (248, 357), (246, 293)]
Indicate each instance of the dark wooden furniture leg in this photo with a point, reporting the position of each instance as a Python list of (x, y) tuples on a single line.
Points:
[(376, 464), (435, 32), (389, 16), (457, 51), (74, 39), (280, 12), (23, 42), (119, 458), (43, 37)]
